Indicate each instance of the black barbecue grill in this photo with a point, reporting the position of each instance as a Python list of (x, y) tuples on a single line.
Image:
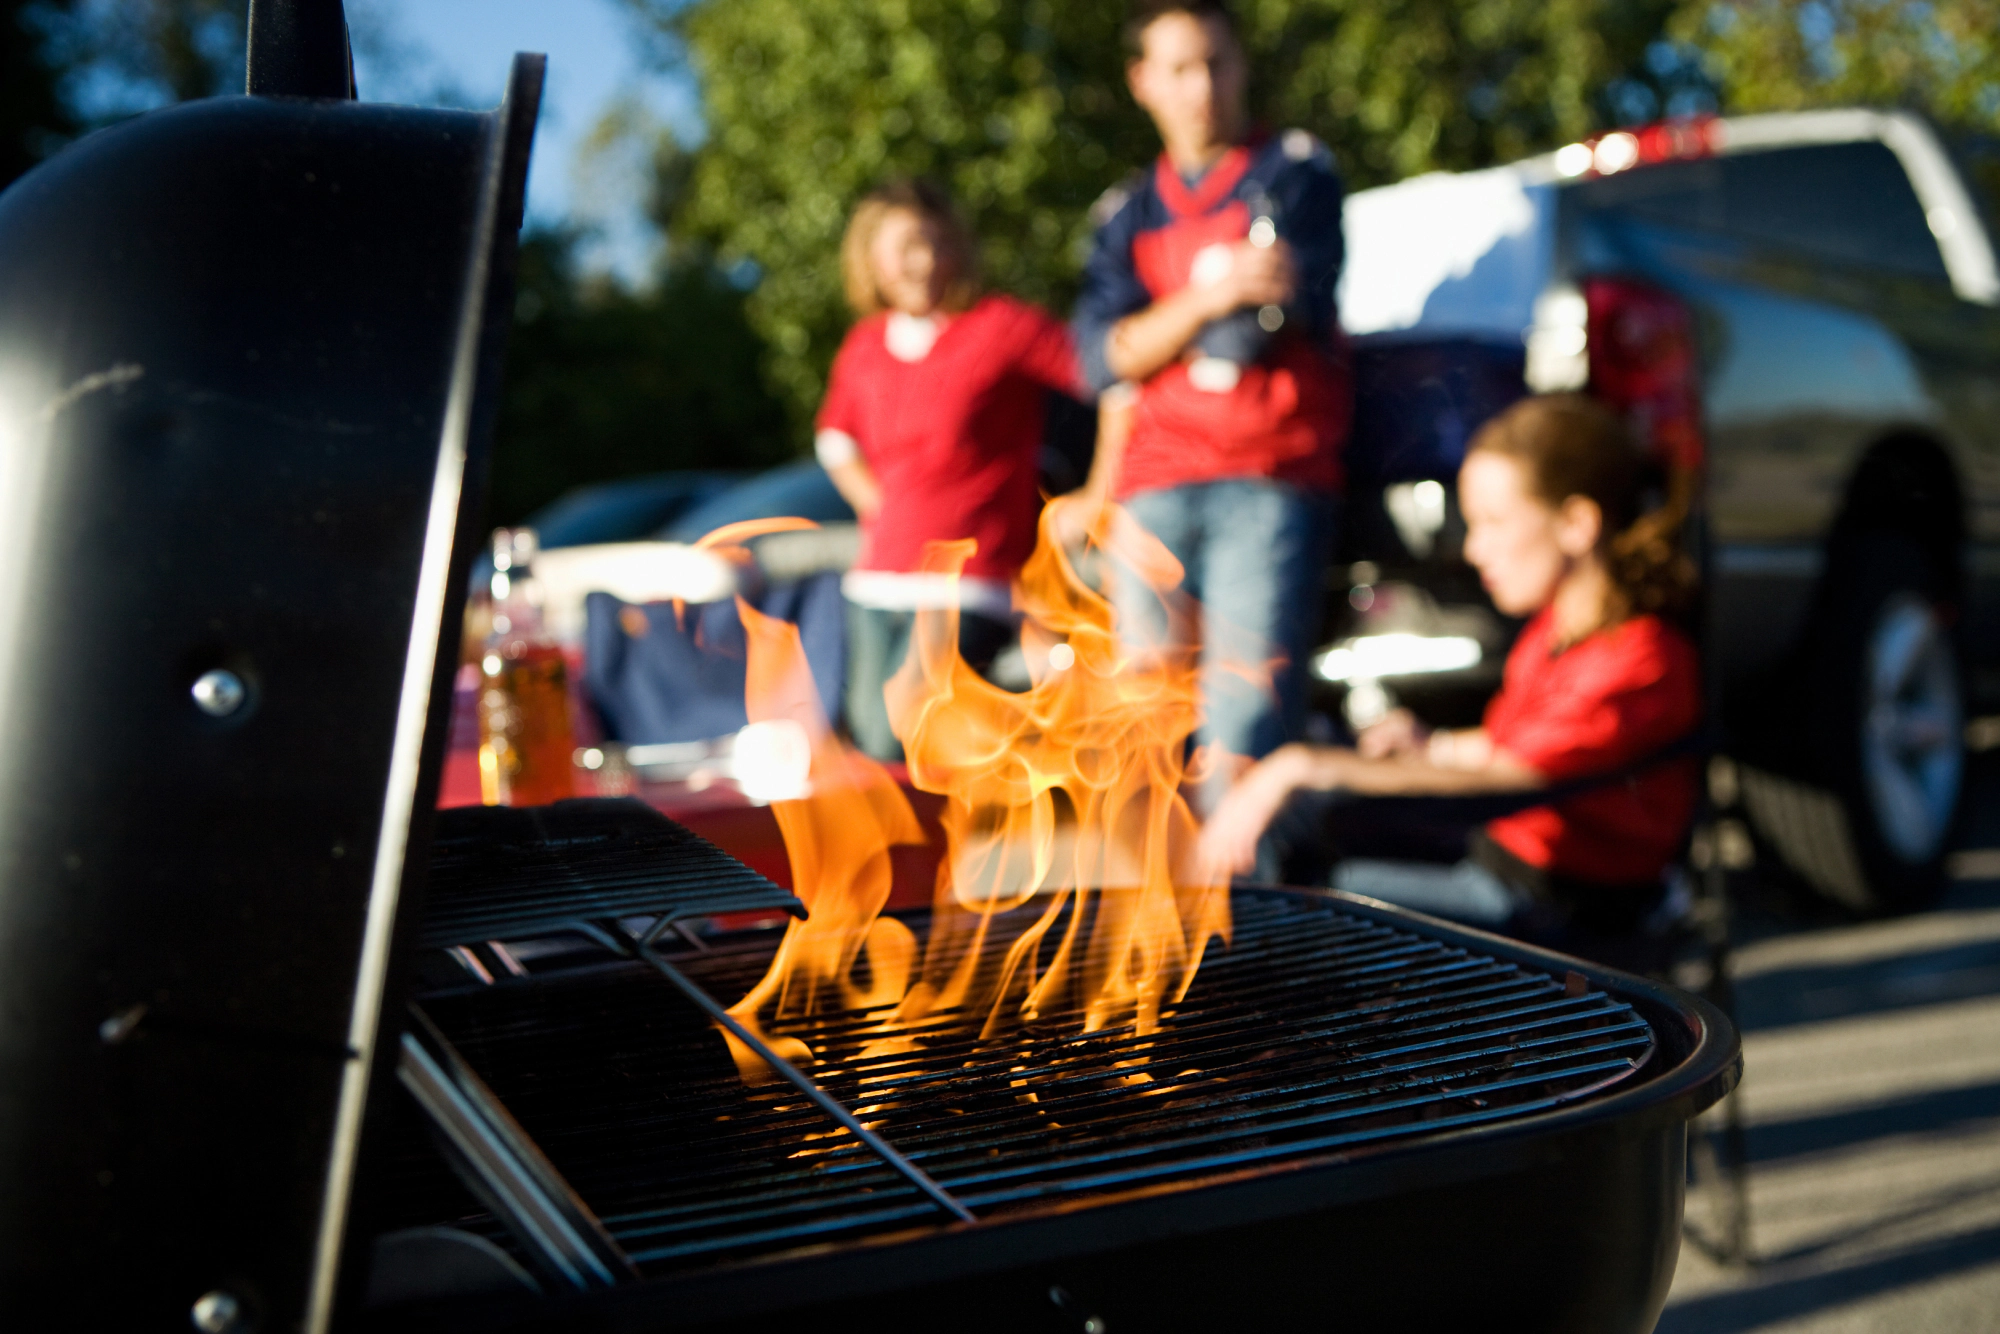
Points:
[(282, 1049), (1331, 1037)]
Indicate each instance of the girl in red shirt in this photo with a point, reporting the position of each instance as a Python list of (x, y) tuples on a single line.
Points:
[(931, 428), (1552, 493)]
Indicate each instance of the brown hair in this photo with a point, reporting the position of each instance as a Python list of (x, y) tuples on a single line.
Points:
[(1143, 14), (957, 250), (1569, 445)]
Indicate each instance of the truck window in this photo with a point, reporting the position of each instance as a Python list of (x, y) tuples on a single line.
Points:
[(1850, 203)]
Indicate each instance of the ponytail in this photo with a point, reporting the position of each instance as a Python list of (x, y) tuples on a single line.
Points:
[(1648, 563), (1570, 445)]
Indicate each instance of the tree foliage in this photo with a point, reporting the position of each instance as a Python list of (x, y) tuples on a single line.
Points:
[(121, 57), (32, 117), (1941, 57), (604, 383), (1020, 107)]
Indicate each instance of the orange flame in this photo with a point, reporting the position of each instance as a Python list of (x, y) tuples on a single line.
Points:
[(1071, 790), (1066, 796), (838, 836)]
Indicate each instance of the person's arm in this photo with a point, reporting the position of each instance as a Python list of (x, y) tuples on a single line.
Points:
[(1331, 768), (1229, 837), (1114, 428), (1077, 512), (835, 443), (857, 486), (1311, 197), (1110, 289), (1147, 341), (1468, 748), (1398, 732)]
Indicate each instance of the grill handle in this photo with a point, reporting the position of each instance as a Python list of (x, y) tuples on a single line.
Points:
[(299, 48), (501, 1165)]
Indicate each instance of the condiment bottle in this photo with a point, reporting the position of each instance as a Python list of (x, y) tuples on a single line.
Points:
[(525, 743)]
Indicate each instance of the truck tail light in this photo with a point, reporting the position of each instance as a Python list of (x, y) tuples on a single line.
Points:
[(1663, 141), (1641, 349)]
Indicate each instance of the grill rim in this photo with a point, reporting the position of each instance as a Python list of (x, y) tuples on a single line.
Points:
[(1697, 1060)]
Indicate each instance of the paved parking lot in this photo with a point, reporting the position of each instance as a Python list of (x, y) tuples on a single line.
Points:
[(1872, 1101)]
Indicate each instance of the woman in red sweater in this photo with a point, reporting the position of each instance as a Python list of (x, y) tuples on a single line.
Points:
[(1552, 491), (932, 427)]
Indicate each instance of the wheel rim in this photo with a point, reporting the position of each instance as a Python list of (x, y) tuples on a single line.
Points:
[(1913, 723)]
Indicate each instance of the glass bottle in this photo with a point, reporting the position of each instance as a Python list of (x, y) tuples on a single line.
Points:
[(525, 744), (1227, 345)]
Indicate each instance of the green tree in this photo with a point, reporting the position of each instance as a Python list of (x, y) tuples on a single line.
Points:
[(121, 57), (603, 382), (1019, 106), (1941, 57), (32, 117)]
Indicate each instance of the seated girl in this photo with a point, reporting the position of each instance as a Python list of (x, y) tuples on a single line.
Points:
[(1552, 492), (931, 428)]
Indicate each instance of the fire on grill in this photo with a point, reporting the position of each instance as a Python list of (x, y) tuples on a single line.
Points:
[(1063, 803)]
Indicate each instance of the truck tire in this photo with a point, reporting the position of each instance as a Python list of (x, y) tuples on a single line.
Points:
[(1886, 727)]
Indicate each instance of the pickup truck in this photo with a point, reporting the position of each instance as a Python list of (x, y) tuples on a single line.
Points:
[(1798, 311)]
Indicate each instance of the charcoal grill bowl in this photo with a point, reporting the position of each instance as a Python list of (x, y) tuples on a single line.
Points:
[(1563, 1221)]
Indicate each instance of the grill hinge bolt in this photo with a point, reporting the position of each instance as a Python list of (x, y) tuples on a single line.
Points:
[(219, 692), (216, 1312)]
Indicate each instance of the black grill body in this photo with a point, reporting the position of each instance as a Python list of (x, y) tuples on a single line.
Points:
[(1356, 1119)]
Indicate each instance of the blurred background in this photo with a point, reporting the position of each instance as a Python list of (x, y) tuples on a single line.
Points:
[(696, 161)]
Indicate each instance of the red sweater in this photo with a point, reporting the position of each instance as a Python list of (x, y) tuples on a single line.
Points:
[(1598, 705), (953, 439)]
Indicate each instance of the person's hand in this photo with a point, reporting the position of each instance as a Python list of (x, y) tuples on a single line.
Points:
[(1256, 276), (1228, 843), (1072, 516), (1398, 733)]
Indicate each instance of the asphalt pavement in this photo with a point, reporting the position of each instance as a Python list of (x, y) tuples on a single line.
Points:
[(1871, 1103)]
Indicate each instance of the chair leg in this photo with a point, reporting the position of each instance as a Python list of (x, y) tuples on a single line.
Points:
[(1733, 1247)]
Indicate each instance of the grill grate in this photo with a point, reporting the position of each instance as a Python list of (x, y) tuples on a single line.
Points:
[(1317, 1030), (513, 873)]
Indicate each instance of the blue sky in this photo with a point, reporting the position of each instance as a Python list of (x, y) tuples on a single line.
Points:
[(458, 51)]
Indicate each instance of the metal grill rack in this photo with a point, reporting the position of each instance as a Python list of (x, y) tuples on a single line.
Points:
[(514, 873), (1317, 1031)]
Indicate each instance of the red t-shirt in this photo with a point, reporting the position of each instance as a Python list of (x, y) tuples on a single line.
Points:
[(953, 439), (1287, 416), (1600, 704)]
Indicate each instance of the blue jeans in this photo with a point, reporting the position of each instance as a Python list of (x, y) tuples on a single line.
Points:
[(1255, 553), (877, 643)]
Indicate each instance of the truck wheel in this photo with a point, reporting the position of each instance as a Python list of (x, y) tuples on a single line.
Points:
[(1889, 713)]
